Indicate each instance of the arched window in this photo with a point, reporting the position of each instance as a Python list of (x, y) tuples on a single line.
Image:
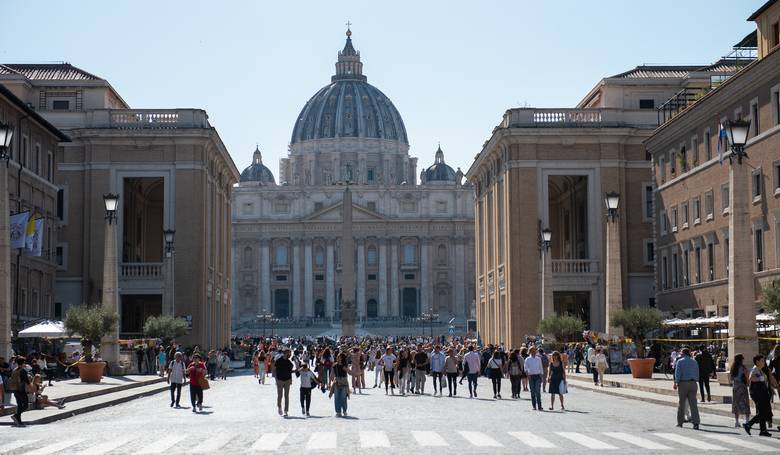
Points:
[(371, 256), (319, 257), (247, 257), (319, 308), (409, 254), (281, 255), (372, 310), (441, 255)]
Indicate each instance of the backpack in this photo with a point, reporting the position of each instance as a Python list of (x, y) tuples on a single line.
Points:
[(15, 383)]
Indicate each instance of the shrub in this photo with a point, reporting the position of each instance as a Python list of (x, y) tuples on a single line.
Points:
[(92, 322), (165, 327), (562, 327), (636, 323)]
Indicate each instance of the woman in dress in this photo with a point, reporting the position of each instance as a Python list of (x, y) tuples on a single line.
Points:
[(556, 377), (740, 401)]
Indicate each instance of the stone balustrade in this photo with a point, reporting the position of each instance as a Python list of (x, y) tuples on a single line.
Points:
[(574, 266), (594, 117), (135, 119), (141, 271)]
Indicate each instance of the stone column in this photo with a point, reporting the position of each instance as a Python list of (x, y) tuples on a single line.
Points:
[(425, 269), (330, 284), (614, 276), (742, 299), (265, 276), (6, 306), (308, 293), (361, 279), (382, 300), (296, 276), (459, 283), (109, 347), (394, 289)]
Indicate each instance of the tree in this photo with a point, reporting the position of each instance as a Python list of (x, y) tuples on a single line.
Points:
[(771, 298), (165, 327), (562, 327), (636, 323), (92, 322)]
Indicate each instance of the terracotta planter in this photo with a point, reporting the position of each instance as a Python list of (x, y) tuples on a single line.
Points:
[(641, 368), (92, 371)]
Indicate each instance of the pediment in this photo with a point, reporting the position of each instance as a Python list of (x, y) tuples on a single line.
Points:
[(333, 214)]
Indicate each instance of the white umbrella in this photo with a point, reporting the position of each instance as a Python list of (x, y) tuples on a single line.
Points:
[(45, 329)]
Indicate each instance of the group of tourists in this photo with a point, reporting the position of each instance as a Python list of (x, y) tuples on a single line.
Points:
[(23, 379)]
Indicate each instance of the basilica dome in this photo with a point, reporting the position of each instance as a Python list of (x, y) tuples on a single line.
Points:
[(440, 172), (349, 107), (257, 172)]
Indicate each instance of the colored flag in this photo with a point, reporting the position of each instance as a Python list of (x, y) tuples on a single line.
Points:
[(18, 229), (36, 246), (29, 232), (722, 139)]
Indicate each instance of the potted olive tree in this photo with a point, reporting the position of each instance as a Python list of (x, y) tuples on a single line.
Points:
[(636, 324), (91, 322), (166, 328), (562, 327)]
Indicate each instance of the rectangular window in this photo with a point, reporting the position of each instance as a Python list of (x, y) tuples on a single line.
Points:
[(674, 270), (758, 236), (37, 162), (370, 175), (696, 210), (372, 277), (775, 39), (665, 273), (695, 150), (726, 255), (684, 209), (724, 197), (776, 102), (646, 104), (756, 178), (372, 206), (755, 124), (708, 145), (709, 208), (776, 173), (697, 258), (60, 204), (664, 223), (60, 105), (649, 252), (319, 277), (683, 157), (281, 277), (687, 268), (711, 259), (662, 168), (674, 219), (648, 201), (408, 276), (671, 163), (317, 206), (23, 156), (50, 167)]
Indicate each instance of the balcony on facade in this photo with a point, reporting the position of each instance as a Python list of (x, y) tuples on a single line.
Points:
[(578, 118), (142, 276), (130, 119)]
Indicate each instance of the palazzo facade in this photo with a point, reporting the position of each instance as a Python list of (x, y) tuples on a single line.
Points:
[(414, 242)]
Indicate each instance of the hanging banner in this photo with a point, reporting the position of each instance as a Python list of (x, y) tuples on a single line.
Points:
[(29, 232), (18, 229), (36, 245)]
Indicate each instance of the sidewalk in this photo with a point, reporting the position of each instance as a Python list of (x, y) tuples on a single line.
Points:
[(81, 397), (658, 390)]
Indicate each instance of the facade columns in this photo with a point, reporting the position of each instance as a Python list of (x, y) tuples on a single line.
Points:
[(361, 279), (265, 276), (742, 307), (614, 276), (382, 300), (394, 290), (308, 296), (459, 281), (425, 269), (6, 306), (109, 347), (296, 279), (330, 283)]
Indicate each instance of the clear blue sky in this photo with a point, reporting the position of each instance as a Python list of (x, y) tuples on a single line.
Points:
[(451, 67)]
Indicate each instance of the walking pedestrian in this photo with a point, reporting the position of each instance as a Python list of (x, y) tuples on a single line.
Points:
[(516, 370), (308, 381), (557, 380), (577, 358), (495, 368), (472, 361), (533, 368), (451, 365), (196, 371), (421, 364), (686, 374), (162, 361), (388, 363), (740, 400), (759, 392), (545, 367), (262, 366), (524, 375), (377, 367), (224, 365), (284, 368), (18, 383), (706, 369), (437, 362), (339, 387), (176, 372), (600, 365), (402, 370)]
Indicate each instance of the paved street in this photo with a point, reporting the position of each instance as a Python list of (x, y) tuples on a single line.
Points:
[(240, 416)]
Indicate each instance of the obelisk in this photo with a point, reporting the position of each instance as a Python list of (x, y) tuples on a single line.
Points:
[(347, 267)]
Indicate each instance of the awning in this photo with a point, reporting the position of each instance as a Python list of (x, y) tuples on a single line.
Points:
[(762, 318), (45, 329)]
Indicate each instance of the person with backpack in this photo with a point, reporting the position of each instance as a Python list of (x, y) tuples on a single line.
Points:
[(176, 375), (19, 383)]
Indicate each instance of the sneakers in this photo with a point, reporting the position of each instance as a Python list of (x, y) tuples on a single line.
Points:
[(303, 411), (285, 413), (765, 433), (280, 411), (338, 414), (344, 414)]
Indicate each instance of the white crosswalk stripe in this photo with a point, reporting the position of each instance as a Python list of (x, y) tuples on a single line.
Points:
[(374, 439), (104, 447), (586, 441), (161, 445), (429, 439), (322, 440), (213, 443), (532, 440), (690, 442), (13, 445), (56, 447), (637, 441), (479, 439), (268, 442), (741, 442)]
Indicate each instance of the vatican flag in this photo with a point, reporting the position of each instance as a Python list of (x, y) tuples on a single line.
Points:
[(19, 229), (36, 246), (29, 233)]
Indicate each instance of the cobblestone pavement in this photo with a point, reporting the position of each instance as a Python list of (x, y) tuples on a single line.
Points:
[(240, 416)]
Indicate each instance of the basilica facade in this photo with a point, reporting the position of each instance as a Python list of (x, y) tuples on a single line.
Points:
[(414, 241)]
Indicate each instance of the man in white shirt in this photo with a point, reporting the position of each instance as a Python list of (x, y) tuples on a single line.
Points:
[(437, 369), (533, 368), (388, 364), (176, 373), (472, 362)]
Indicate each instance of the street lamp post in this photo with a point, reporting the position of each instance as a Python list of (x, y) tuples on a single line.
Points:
[(170, 289), (742, 312), (614, 271), (545, 240), (109, 349), (6, 135), (429, 316)]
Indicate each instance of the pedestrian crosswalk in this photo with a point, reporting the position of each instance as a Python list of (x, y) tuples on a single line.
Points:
[(468, 441)]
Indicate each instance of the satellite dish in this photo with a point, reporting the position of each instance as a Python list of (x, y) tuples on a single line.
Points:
[(451, 321)]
